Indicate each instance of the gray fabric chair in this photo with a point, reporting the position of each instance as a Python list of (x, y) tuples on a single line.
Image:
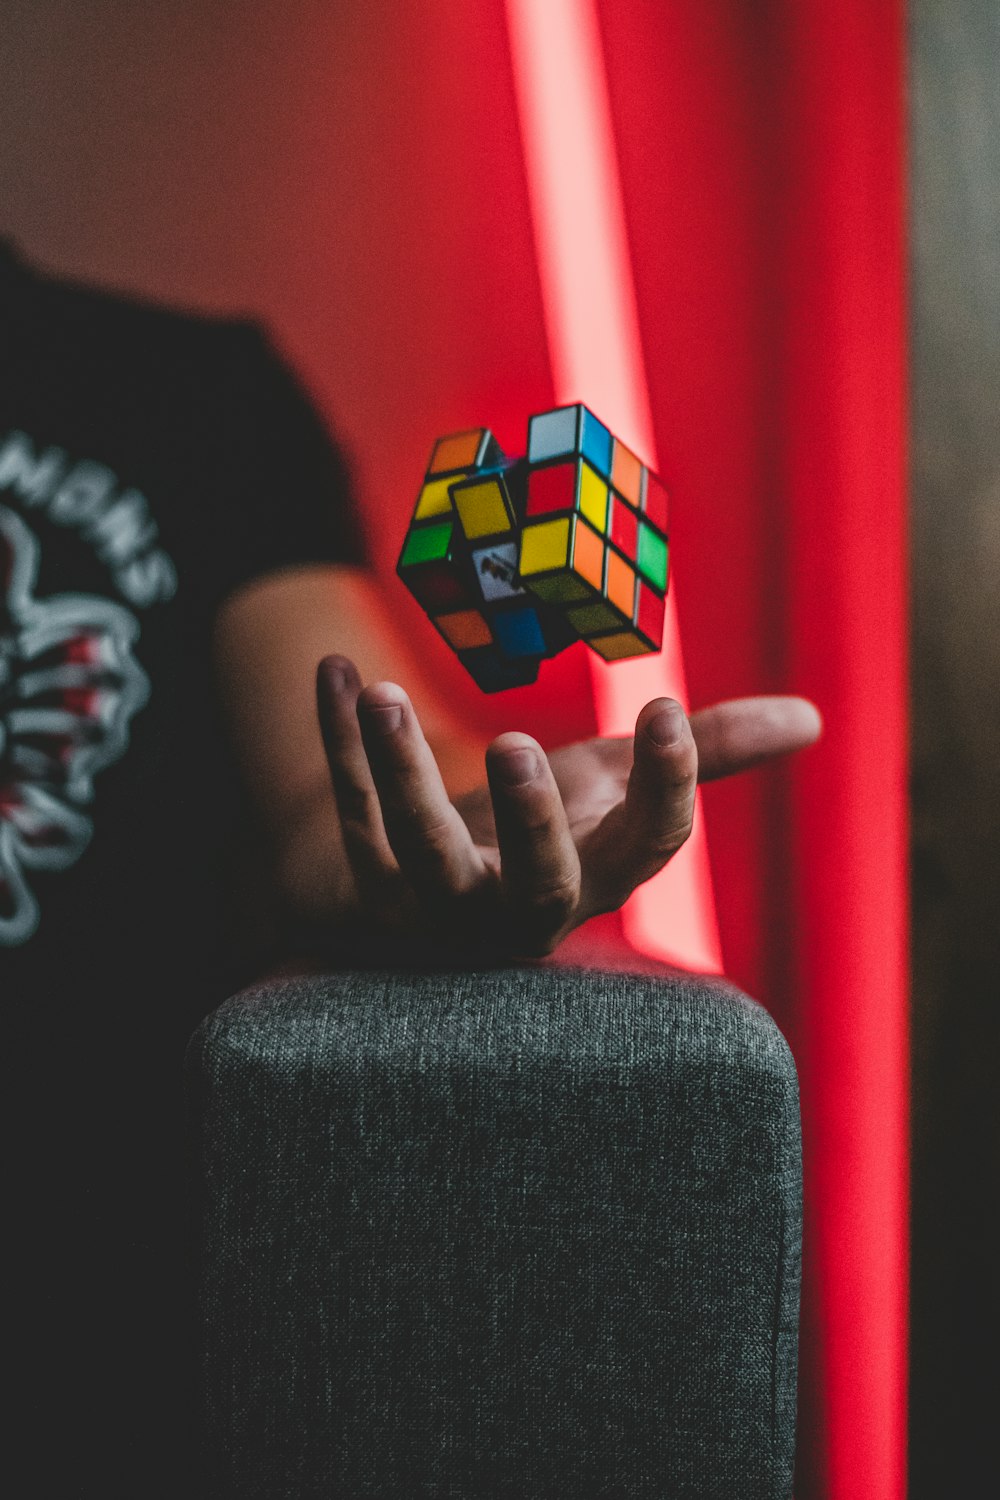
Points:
[(532, 1232)]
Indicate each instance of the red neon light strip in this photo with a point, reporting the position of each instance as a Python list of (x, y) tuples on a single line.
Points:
[(596, 353), (845, 412)]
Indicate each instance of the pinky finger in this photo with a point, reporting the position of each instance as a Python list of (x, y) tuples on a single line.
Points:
[(365, 842)]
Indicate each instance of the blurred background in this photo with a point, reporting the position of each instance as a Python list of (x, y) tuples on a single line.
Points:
[(955, 375), (354, 176)]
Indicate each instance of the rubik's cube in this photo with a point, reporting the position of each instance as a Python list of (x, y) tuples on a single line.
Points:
[(515, 559)]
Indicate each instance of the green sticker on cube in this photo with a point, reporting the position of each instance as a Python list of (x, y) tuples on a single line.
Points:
[(426, 544), (652, 557)]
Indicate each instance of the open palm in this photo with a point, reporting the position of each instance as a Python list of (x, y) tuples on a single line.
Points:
[(548, 841)]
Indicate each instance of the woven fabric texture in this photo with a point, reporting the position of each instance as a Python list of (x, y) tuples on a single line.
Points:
[(526, 1233)]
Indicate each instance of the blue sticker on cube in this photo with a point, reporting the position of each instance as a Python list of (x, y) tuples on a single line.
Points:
[(595, 443), (519, 633)]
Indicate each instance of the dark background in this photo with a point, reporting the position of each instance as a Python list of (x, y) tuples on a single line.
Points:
[(955, 319)]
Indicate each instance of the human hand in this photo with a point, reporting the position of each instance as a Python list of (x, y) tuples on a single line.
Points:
[(509, 869)]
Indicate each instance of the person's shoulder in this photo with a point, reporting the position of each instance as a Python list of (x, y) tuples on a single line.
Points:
[(158, 326), (142, 330)]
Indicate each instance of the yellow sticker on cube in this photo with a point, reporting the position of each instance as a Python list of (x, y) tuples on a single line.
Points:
[(434, 499), (482, 509), (545, 546), (593, 498)]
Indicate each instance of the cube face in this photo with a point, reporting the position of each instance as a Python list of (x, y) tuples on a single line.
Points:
[(516, 559), (610, 562), (573, 580), (434, 562)]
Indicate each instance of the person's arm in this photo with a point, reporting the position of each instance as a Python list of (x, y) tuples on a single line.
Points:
[(389, 818), (269, 638)]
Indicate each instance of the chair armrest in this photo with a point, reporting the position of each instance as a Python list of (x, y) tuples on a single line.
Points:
[(531, 1232)]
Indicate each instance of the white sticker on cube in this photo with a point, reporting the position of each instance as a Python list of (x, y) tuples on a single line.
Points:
[(553, 434), (496, 571)]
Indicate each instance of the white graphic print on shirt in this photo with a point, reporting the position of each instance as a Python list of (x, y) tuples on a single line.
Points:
[(86, 497), (69, 685)]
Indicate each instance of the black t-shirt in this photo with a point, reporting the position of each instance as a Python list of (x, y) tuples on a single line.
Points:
[(150, 465)]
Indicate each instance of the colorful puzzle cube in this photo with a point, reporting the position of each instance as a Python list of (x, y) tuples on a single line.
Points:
[(595, 533), (515, 560), (459, 561)]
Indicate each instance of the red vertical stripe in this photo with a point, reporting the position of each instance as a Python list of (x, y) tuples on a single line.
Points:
[(596, 353), (847, 629)]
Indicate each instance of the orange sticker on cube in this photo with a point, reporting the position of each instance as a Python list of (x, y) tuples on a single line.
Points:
[(464, 630), (627, 473), (620, 587), (588, 555), (460, 450)]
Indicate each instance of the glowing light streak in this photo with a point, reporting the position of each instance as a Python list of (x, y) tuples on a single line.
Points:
[(595, 348)]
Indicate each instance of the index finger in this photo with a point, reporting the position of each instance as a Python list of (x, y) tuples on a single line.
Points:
[(639, 834), (365, 844)]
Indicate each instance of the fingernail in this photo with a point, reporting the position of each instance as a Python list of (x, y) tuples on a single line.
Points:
[(385, 717), (335, 673), (517, 767), (666, 727)]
